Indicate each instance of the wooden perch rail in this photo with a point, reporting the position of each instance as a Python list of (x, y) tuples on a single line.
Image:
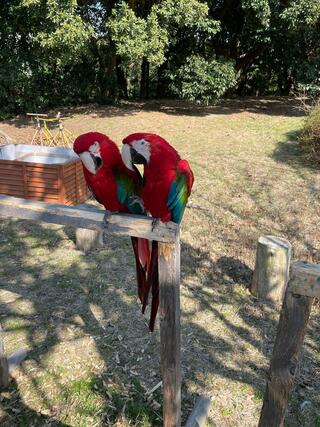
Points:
[(90, 218)]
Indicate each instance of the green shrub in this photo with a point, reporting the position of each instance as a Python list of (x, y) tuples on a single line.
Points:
[(310, 134), (202, 81)]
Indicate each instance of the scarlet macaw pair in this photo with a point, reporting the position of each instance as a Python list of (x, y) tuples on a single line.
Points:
[(117, 184)]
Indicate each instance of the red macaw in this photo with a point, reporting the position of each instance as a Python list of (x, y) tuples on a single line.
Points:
[(167, 185), (116, 188)]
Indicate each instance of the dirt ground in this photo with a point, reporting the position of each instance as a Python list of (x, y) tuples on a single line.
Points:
[(92, 361)]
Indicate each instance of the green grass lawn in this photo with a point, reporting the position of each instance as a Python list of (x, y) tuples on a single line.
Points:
[(92, 360)]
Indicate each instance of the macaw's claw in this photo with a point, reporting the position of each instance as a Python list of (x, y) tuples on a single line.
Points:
[(106, 218), (155, 223)]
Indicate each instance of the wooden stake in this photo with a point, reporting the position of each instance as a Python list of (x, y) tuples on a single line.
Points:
[(86, 240), (8, 364), (4, 366), (169, 280), (200, 413), (292, 327), (271, 271)]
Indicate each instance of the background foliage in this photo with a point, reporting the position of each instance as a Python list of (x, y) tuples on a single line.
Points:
[(56, 52), (309, 137)]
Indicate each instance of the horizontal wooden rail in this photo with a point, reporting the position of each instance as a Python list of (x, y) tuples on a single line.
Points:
[(305, 279), (89, 217)]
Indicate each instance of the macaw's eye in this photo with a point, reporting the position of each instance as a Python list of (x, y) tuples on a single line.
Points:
[(95, 148)]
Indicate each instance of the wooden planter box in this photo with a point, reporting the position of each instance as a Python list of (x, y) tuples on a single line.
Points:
[(50, 174)]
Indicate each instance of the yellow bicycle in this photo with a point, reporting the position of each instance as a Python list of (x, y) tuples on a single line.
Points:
[(44, 136)]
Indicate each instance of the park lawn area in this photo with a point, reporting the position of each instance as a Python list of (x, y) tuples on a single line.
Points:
[(92, 360)]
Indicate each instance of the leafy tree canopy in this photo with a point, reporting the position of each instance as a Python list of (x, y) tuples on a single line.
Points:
[(56, 52)]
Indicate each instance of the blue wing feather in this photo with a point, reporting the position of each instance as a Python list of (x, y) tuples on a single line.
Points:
[(177, 198)]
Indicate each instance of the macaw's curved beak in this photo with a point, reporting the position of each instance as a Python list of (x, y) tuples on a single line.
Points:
[(126, 156), (137, 158), (90, 162)]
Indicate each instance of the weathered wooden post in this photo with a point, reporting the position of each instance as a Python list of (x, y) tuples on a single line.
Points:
[(4, 366), (200, 413), (7, 364), (169, 280), (271, 271), (303, 286), (86, 240)]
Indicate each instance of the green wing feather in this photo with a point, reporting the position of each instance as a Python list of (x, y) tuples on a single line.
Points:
[(127, 193)]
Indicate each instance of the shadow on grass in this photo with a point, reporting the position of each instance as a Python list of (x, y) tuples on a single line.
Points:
[(71, 300), (236, 270), (272, 106), (19, 414), (291, 153)]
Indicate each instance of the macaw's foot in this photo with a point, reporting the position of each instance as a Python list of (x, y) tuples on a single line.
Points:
[(106, 218), (155, 223)]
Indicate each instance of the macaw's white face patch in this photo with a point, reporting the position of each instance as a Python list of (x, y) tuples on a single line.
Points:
[(142, 147), (126, 156), (88, 162)]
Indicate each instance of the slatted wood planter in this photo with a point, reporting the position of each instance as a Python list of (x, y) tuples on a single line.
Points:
[(49, 174)]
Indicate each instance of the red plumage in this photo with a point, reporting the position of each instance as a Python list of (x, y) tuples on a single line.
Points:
[(103, 183), (168, 181), (159, 173)]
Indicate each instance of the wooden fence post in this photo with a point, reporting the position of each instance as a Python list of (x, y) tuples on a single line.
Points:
[(4, 366), (271, 271), (294, 316), (200, 413), (169, 280), (8, 364), (86, 240)]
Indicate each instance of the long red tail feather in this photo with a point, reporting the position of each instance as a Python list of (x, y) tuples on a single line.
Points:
[(153, 284), (144, 253), (142, 265), (147, 275)]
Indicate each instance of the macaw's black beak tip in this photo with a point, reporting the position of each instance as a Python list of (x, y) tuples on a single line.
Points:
[(97, 161), (136, 157)]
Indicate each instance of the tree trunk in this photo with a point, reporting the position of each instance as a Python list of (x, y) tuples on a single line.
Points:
[(121, 78), (160, 85), (144, 82), (285, 83)]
